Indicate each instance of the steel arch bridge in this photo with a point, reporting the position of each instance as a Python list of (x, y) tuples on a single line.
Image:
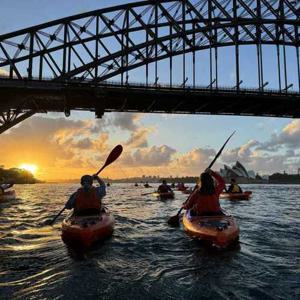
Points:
[(68, 63)]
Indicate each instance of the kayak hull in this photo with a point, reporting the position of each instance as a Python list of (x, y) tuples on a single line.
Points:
[(8, 195), (164, 196), (87, 230), (236, 196), (218, 231)]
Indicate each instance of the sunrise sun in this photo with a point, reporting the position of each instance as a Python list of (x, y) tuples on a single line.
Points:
[(29, 167)]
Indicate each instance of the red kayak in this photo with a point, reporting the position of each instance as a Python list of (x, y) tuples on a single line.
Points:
[(86, 230), (219, 231), (236, 196)]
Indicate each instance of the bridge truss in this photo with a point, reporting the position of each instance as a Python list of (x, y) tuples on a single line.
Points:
[(110, 43)]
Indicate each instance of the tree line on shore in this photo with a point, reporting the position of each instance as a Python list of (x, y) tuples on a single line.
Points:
[(16, 175)]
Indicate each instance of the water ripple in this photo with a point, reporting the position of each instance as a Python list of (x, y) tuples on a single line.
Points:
[(145, 258)]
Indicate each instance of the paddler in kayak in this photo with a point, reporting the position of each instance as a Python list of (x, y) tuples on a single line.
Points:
[(87, 199), (204, 201), (5, 186), (234, 187), (164, 188)]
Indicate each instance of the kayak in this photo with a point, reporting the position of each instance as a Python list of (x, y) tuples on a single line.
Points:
[(218, 231), (164, 196), (8, 195), (86, 230), (236, 196)]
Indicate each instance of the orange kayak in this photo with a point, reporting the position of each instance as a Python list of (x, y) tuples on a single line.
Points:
[(86, 230), (164, 196), (236, 196), (8, 195), (218, 231)]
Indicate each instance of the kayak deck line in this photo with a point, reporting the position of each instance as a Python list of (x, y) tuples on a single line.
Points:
[(220, 230)]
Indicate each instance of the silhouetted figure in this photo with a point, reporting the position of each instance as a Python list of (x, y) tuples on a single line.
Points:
[(164, 188), (87, 199)]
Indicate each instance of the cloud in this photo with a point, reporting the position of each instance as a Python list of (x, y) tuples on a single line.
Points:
[(3, 73), (242, 153), (153, 156), (58, 145), (194, 161), (138, 138), (289, 137)]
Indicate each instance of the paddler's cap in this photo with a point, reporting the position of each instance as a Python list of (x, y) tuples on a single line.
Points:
[(86, 179)]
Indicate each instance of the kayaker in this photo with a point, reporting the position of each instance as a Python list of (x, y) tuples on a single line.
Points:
[(164, 188), (136, 184), (173, 185), (181, 186), (5, 186), (234, 187), (87, 199), (147, 185), (204, 200)]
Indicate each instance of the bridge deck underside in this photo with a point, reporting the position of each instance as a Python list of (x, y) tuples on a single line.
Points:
[(151, 100)]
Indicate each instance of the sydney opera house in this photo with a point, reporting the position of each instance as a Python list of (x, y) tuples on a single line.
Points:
[(238, 171)]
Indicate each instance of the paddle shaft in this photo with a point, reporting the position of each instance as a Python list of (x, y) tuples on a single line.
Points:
[(53, 220), (147, 194)]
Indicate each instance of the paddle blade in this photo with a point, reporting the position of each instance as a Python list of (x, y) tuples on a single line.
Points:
[(114, 154), (174, 221)]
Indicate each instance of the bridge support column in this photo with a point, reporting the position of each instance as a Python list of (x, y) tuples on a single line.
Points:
[(100, 104)]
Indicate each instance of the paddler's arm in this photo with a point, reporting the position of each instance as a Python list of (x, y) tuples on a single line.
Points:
[(101, 189), (170, 189), (220, 181)]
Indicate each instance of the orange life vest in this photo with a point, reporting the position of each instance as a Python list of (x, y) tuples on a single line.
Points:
[(87, 200)]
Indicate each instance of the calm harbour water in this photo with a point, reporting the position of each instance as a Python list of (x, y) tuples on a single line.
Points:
[(145, 258)]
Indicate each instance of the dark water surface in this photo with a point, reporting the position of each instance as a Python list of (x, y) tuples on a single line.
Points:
[(145, 258)]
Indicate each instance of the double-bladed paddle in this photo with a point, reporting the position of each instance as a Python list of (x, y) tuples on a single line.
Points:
[(174, 220), (114, 154)]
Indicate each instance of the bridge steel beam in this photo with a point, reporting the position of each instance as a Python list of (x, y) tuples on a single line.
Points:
[(113, 97), (10, 118), (110, 43), (65, 48)]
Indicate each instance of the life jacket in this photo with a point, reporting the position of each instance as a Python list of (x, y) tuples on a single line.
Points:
[(207, 204), (235, 189), (87, 200), (163, 189)]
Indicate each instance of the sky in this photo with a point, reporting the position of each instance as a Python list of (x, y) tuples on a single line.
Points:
[(154, 144)]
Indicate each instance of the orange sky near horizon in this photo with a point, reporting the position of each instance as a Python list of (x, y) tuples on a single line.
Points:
[(65, 149)]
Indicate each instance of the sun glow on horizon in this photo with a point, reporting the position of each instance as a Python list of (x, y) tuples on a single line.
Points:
[(29, 167)]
